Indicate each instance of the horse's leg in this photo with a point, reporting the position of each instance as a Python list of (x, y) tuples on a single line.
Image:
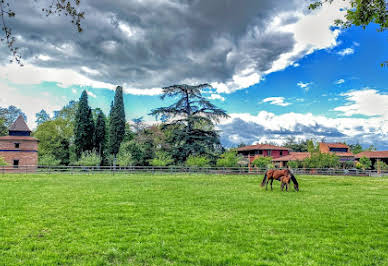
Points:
[(282, 186), (266, 184), (287, 186), (271, 183)]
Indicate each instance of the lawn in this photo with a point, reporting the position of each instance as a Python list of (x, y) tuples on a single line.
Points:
[(191, 219)]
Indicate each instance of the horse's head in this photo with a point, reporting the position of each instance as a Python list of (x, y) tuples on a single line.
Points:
[(296, 185)]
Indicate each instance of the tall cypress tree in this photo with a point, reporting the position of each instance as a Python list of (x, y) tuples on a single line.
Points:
[(84, 126), (117, 122), (99, 136)]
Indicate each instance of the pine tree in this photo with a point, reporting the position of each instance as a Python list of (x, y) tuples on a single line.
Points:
[(84, 127), (42, 117), (191, 121), (99, 136), (117, 122)]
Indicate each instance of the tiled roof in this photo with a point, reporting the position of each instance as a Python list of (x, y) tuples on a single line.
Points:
[(293, 156), (373, 154), (343, 154), (19, 125), (262, 147), (16, 138), (337, 145)]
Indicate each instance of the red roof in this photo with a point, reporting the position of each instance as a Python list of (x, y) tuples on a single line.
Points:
[(373, 154), (337, 145), (262, 147), (343, 154), (16, 138), (19, 125), (293, 156)]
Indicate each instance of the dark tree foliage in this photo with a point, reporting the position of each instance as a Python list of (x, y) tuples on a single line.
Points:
[(58, 7), (68, 112), (63, 152), (100, 134), (355, 148), (190, 121), (84, 127), (117, 122), (10, 113), (42, 117), (241, 145), (296, 146), (3, 127)]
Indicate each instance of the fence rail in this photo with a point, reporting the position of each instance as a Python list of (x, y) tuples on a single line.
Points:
[(175, 169)]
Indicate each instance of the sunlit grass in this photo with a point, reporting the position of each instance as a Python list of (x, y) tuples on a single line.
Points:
[(191, 219)]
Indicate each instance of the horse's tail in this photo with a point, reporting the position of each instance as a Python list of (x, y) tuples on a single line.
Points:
[(264, 179)]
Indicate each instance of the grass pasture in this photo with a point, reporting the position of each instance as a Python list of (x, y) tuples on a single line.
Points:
[(146, 219)]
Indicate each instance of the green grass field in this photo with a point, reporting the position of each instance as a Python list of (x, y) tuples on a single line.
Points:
[(191, 219)]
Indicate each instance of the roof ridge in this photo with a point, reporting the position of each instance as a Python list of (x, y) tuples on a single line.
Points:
[(19, 125)]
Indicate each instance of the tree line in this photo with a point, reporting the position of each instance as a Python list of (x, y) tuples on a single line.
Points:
[(186, 134)]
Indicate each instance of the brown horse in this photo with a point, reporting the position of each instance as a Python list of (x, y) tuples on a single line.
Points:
[(283, 176)]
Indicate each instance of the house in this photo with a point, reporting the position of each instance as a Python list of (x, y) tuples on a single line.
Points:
[(19, 148), (340, 149), (293, 156), (266, 150), (374, 156)]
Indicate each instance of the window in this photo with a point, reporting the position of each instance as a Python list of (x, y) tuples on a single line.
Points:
[(17, 145), (15, 163), (281, 153), (260, 152), (338, 149), (269, 152)]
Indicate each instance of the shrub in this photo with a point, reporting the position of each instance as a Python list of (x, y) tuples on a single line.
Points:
[(162, 159), (294, 164), (124, 159), (365, 163), (321, 160), (229, 159), (358, 165), (349, 164), (380, 165), (3, 162), (263, 162), (197, 161), (48, 160), (89, 158)]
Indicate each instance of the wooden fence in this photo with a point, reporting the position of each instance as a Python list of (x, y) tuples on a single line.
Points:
[(188, 170)]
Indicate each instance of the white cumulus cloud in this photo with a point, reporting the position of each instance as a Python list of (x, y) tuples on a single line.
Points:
[(216, 97), (346, 51), (369, 102), (340, 81), (276, 101), (304, 85)]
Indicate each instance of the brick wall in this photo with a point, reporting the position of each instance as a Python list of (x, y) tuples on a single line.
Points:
[(27, 153), (23, 145)]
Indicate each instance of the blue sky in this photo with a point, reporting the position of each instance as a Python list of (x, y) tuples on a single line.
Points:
[(324, 86)]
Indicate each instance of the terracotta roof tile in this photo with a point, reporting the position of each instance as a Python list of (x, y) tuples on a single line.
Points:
[(293, 156), (337, 145), (19, 125), (343, 154), (373, 154), (262, 147)]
